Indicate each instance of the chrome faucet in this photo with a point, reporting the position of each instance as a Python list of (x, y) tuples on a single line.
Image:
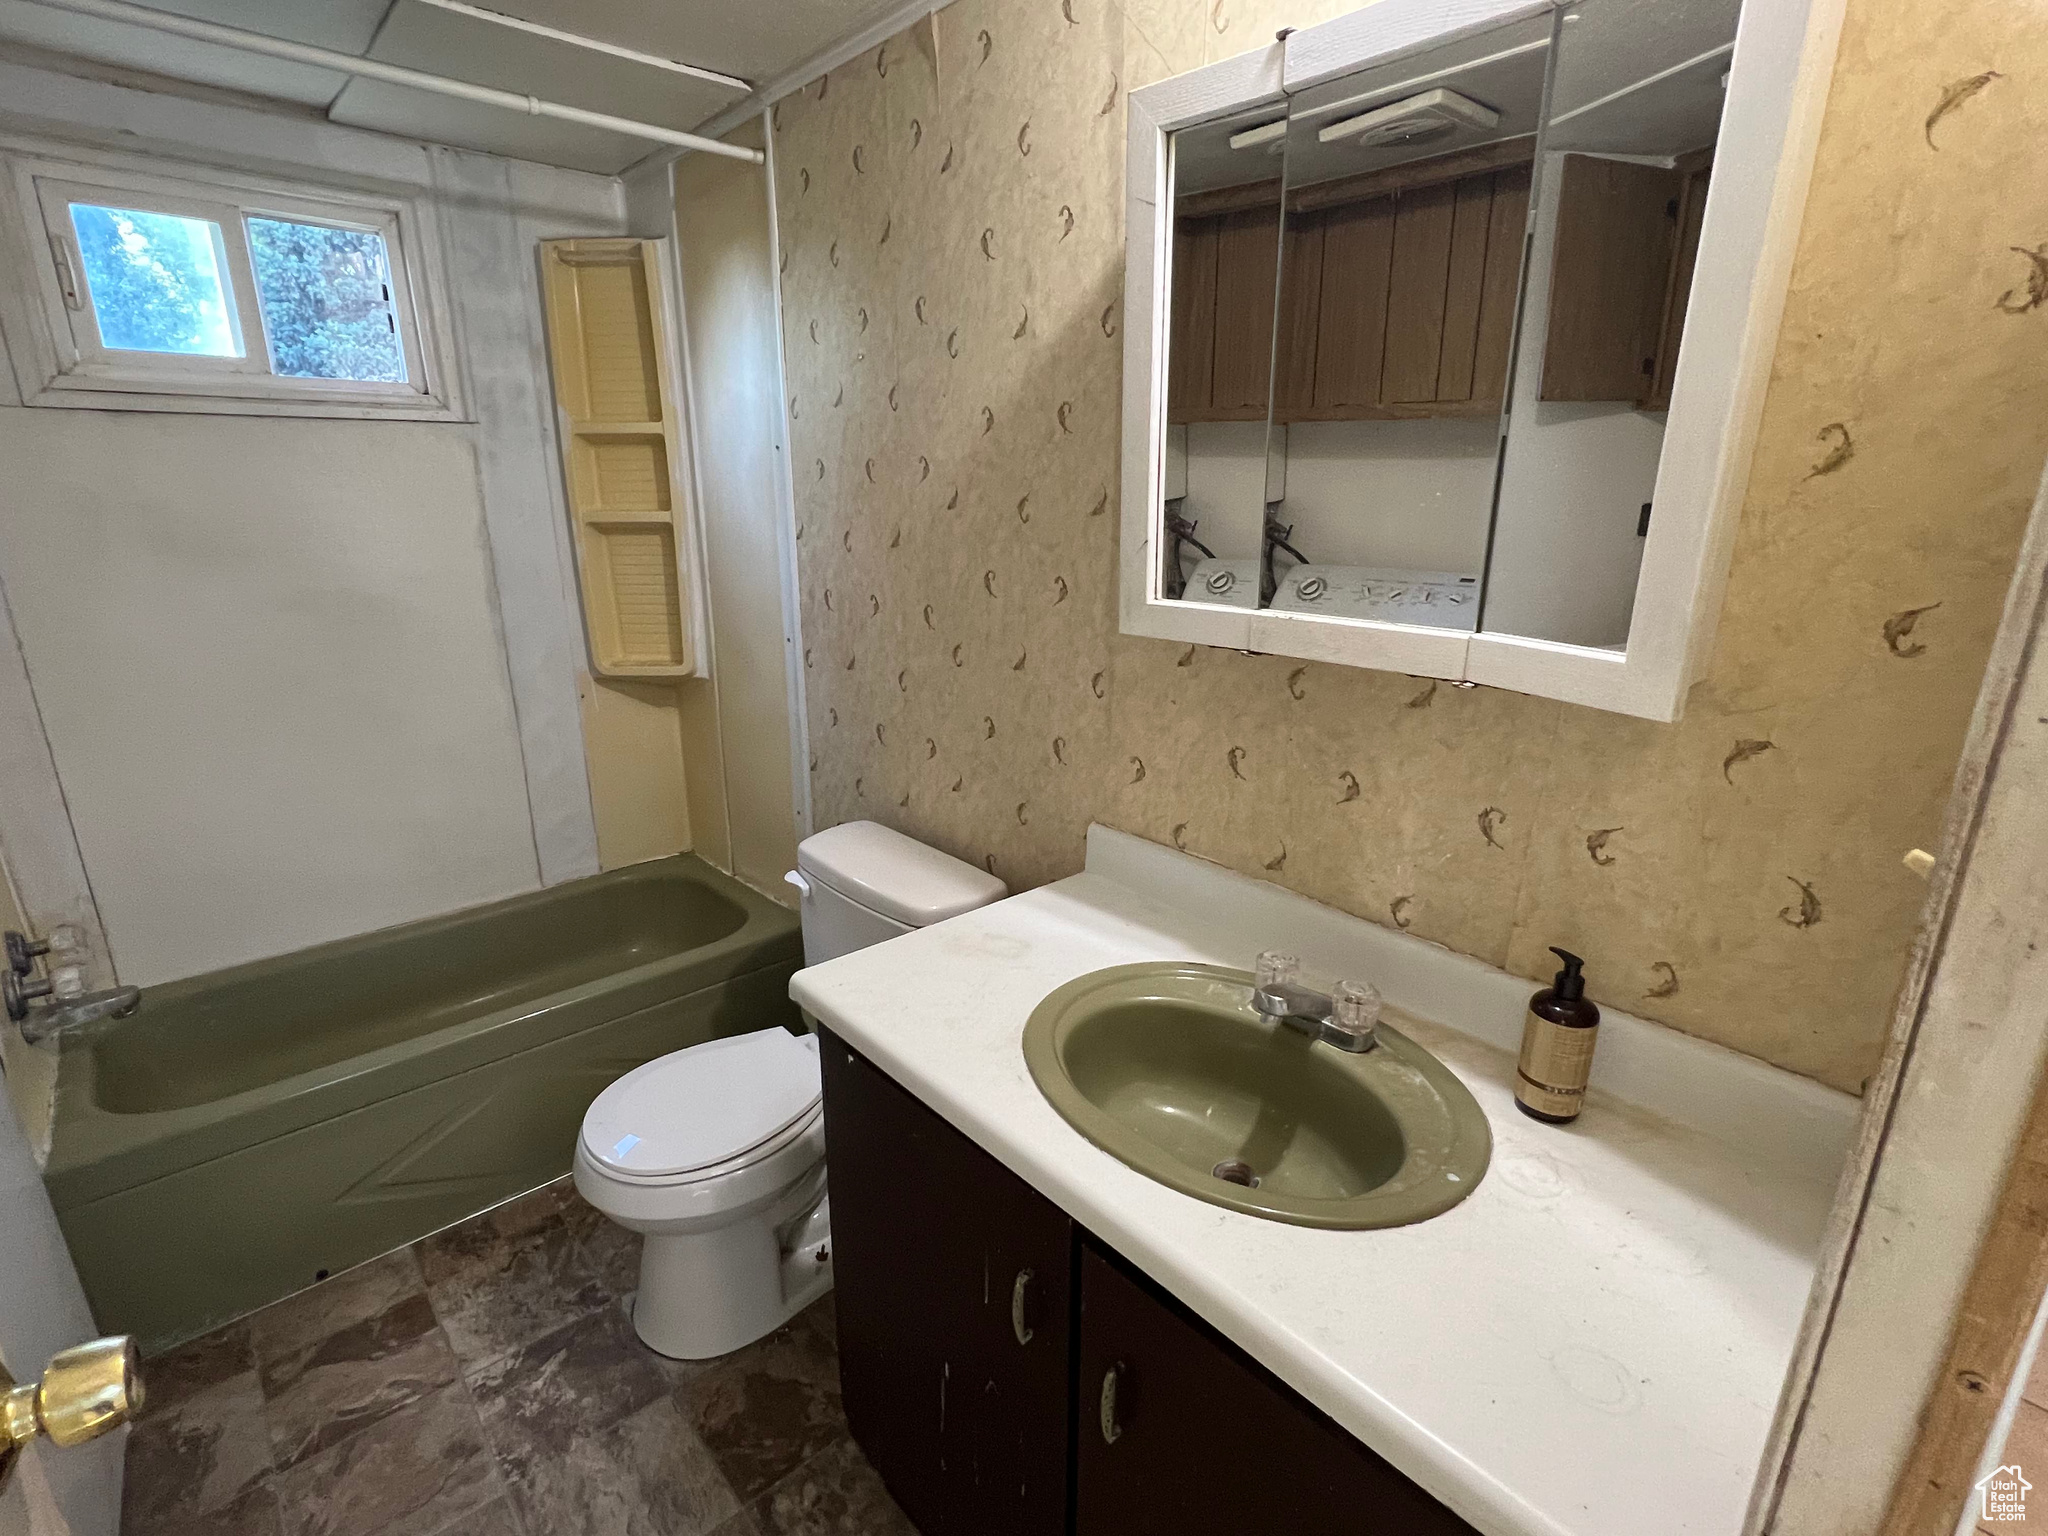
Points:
[(67, 1019), (1347, 1018)]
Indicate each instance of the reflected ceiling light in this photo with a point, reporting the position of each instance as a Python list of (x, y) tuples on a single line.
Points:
[(1412, 120), (1273, 134)]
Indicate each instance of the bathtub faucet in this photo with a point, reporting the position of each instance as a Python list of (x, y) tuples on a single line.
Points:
[(64, 1019)]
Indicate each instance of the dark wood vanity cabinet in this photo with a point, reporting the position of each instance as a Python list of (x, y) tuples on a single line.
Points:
[(954, 1293), (978, 1325), (1183, 1434)]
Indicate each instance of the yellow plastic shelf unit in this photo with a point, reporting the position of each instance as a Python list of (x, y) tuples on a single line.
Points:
[(609, 342)]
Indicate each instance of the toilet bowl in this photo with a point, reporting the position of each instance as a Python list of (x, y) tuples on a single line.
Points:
[(716, 1154)]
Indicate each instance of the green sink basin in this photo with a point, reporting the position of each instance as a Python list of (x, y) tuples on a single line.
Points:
[(1166, 1067)]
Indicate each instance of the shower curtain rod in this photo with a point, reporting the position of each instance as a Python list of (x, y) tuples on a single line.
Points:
[(395, 74)]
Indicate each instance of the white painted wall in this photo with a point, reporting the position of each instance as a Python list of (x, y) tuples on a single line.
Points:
[(1402, 493), (269, 672), (304, 678), (1227, 486), (1573, 482), (1386, 493)]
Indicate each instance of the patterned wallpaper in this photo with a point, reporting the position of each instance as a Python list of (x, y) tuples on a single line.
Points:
[(951, 214)]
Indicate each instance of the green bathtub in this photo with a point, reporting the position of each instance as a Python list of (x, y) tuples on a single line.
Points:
[(251, 1131)]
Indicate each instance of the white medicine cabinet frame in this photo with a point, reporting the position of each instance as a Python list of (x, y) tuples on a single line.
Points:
[(1775, 85)]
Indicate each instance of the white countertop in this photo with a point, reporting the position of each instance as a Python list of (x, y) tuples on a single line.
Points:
[(1591, 1344)]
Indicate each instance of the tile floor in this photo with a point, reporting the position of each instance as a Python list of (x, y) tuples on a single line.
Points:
[(487, 1382)]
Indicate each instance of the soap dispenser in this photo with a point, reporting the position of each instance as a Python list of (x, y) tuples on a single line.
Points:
[(1557, 1046)]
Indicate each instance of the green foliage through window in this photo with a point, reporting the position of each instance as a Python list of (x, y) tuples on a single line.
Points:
[(326, 296), (155, 281)]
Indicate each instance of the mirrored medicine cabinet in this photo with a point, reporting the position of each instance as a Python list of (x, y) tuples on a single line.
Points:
[(1446, 347)]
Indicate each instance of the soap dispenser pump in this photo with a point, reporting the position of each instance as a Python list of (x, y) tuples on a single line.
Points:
[(1557, 1046)]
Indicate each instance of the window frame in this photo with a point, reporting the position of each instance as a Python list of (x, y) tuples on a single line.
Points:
[(66, 364)]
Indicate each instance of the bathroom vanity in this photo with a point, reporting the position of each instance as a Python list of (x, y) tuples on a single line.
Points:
[(1033, 1330), (1001, 1365)]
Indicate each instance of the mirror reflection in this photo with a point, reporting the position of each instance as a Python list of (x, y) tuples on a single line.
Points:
[(1219, 478), (1627, 157), (1407, 197)]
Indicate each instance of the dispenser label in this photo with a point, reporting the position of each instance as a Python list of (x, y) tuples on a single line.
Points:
[(1557, 1059)]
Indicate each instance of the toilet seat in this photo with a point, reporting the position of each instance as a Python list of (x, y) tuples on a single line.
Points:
[(754, 1157), (704, 1112)]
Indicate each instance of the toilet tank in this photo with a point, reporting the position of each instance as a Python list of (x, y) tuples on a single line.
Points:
[(863, 883)]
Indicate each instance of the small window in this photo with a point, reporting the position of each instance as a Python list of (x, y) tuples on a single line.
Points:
[(175, 287), (326, 298), (156, 281)]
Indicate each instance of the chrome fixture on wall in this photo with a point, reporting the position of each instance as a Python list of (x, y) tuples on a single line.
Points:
[(70, 1015)]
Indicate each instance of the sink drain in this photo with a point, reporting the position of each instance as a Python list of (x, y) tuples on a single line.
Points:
[(1231, 1171)]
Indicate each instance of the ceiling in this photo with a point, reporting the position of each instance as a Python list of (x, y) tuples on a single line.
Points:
[(749, 43), (1633, 77)]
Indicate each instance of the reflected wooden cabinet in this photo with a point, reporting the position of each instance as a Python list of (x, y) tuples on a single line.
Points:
[(1628, 235), (1223, 311), (1409, 300), (1394, 300)]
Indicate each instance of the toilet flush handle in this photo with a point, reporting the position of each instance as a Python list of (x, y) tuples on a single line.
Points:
[(795, 878)]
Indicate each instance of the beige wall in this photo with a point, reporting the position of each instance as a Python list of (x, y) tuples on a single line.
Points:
[(950, 210), (725, 255)]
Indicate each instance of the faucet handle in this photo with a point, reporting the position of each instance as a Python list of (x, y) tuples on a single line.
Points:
[(22, 951), (1354, 1017), (1277, 969)]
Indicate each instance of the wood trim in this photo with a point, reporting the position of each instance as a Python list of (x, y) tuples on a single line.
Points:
[(1455, 166), (1416, 173), (1984, 1347), (1939, 1217), (1207, 205)]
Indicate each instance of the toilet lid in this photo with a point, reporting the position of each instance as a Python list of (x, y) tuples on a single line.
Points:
[(703, 1106)]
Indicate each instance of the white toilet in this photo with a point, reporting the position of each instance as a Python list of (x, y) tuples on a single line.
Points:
[(717, 1153)]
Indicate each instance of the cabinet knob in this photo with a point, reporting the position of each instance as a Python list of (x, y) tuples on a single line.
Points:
[(1018, 1326), (1112, 1431)]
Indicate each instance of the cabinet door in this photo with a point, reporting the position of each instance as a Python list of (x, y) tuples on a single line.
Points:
[(1191, 349), (1424, 218), (1247, 265), (1691, 217), (1358, 249), (1301, 299), (954, 1299), (1501, 284), (1464, 287), (1199, 1440), (1610, 267)]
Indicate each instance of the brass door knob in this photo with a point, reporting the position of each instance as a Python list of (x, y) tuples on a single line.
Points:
[(85, 1391)]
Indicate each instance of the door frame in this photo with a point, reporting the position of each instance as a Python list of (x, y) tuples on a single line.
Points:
[(1936, 1253)]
